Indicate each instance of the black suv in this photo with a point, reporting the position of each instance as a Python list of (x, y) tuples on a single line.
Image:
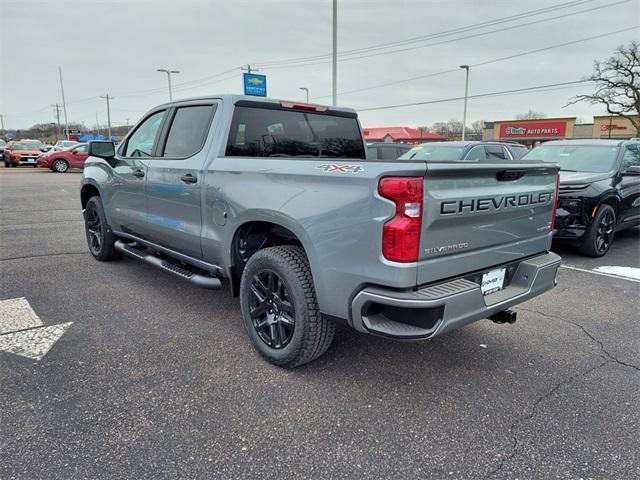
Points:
[(386, 150), (470, 151), (599, 190)]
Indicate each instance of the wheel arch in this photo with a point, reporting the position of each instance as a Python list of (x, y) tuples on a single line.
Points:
[(87, 191), (611, 200), (259, 233)]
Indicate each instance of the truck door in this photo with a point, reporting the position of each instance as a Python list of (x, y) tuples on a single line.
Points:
[(174, 179), (127, 205)]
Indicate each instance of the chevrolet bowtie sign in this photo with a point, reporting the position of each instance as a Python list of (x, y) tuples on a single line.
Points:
[(255, 85)]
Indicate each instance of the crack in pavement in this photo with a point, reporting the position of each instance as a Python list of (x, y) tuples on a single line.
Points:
[(43, 255), (607, 354), (528, 416)]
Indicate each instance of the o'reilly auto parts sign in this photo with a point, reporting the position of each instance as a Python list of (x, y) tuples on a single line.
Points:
[(533, 130)]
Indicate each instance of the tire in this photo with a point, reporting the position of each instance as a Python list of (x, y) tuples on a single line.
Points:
[(288, 330), (599, 237), (60, 166), (100, 237)]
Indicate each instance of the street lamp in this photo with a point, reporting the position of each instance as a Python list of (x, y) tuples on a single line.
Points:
[(466, 96), (168, 72), (306, 91)]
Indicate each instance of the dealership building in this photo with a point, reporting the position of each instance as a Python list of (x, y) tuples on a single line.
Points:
[(529, 132)]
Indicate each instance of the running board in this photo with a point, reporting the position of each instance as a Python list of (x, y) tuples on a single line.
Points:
[(181, 271)]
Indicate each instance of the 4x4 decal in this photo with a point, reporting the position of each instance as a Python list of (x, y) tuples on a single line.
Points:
[(335, 168)]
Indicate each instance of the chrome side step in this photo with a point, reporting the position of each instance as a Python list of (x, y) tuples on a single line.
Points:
[(181, 271)]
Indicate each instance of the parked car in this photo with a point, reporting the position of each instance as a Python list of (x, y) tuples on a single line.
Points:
[(470, 151), (62, 145), (21, 153), (599, 190), (279, 199), (386, 151), (63, 160)]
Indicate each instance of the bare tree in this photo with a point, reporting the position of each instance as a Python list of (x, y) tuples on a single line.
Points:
[(477, 126), (617, 84), (530, 115)]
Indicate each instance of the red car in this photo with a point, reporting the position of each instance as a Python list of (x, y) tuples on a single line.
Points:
[(62, 161)]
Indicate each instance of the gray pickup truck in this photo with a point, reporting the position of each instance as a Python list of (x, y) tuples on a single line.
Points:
[(278, 199)]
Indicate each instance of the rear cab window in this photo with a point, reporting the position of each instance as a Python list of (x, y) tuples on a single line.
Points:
[(188, 131), (266, 130)]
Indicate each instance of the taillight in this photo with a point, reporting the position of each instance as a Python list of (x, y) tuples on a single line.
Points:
[(401, 234), (305, 107), (552, 225)]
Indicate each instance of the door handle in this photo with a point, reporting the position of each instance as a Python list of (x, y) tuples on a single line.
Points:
[(138, 173), (188, 178)]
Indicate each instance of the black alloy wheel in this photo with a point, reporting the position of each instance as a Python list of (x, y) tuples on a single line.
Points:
[(94, 229), (598, 239), (604, 232), (271, 309)]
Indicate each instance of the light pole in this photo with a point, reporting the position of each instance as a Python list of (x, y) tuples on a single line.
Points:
[(334, 56), (466, 97), (306, 90), (168, 72)]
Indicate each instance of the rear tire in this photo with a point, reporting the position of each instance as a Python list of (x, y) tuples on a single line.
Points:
[(280, 309), (100, 237), (60, 166), (598, 239)]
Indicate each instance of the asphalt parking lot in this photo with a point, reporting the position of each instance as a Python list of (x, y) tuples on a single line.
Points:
[(152, 378)]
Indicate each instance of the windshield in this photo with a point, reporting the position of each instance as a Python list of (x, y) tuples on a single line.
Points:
[(269, 132), (433, 152), (576, 158), (26, 146)]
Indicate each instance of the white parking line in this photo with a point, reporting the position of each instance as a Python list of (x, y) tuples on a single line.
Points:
[(603, 274), (22, 332), (17, 314)]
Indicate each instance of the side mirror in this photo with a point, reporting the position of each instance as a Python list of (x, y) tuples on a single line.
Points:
[(632, 171), (100, 149)]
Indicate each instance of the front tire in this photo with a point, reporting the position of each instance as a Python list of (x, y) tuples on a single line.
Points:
[(100, 237), (599, 237), (280, 309), (60, 166)]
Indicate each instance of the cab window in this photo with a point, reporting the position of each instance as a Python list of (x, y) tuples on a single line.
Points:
[(631, 157), (476, 154), (81, 149), (143, 141), (188, 131), (495, 152)]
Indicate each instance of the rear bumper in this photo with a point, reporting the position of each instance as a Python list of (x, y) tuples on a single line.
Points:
[(440, 308)]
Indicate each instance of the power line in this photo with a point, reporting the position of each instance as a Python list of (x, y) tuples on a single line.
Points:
[(479, 64), (442, 42), (474, 26), (480, 95)]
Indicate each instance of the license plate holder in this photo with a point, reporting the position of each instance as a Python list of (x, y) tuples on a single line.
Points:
[(493, 281)]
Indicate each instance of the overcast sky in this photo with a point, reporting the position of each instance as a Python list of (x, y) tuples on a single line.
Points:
[(115, 47)]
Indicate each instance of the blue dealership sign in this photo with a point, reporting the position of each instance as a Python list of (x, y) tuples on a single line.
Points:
[(10, 135), (255, 85)]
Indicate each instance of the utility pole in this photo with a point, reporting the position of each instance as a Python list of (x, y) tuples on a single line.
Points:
[(64, 105), (2, 121), (168, 72), (57, 108), (466, 97), (334, 61), (107, 97), (97, 125)]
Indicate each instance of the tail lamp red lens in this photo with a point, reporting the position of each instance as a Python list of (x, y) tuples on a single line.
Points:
[(401, 234), (552, 225)]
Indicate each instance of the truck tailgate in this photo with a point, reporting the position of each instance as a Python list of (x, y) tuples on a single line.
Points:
[(480, 215)]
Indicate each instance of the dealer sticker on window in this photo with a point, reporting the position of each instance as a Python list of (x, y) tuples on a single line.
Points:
[(493, 281)]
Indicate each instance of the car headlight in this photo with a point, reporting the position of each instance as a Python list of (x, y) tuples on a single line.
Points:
[(571, 205)]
